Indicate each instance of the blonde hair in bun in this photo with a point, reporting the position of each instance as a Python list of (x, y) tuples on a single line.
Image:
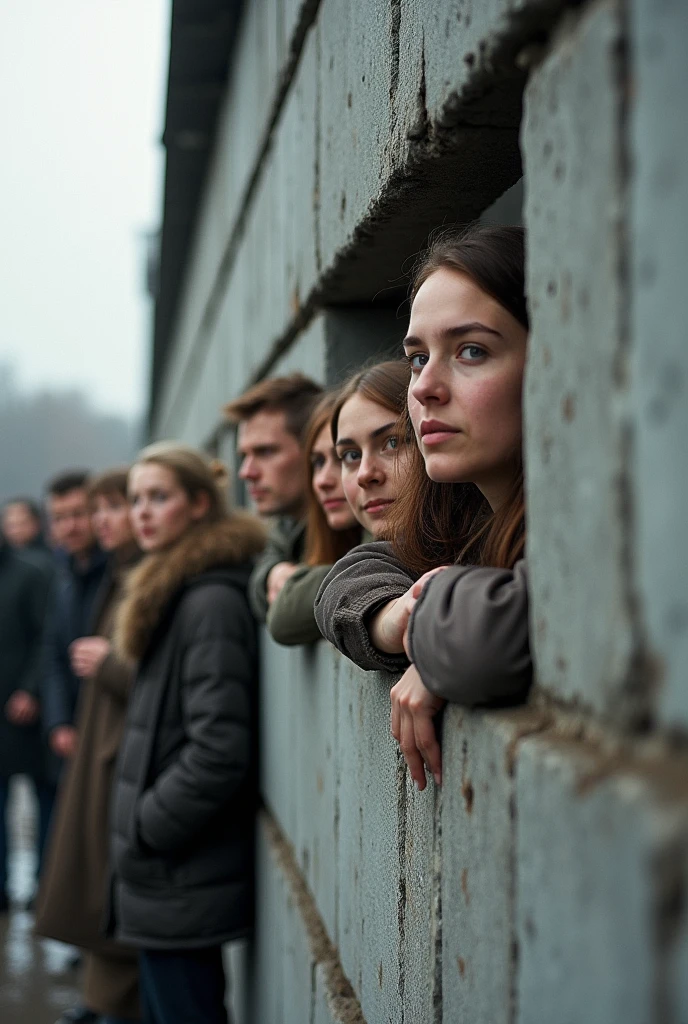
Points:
[(195, 472)]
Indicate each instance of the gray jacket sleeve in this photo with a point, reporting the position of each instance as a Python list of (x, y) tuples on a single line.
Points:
[(358, 585), (469, 637), (291, 619)]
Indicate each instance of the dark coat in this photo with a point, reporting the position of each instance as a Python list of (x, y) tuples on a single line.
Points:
[(38, 552), (286, 543), (71, 899), (185, 781), (70, 616), (23, 595), (291, 619)]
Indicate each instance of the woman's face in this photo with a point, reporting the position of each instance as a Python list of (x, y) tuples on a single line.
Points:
[(161, 510), (467, 355), (366, 447), (326, 481), (110, 520)]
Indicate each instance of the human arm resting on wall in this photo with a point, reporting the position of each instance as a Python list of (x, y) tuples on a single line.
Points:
[(468, 635), (367, 578), (218, 673), (291, 618), (282, 544)]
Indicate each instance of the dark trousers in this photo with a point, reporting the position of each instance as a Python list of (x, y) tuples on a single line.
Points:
[(184, 986), (45, 795)]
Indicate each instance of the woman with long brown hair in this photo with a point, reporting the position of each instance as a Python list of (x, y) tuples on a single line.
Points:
[(331, 530), (464, 628)]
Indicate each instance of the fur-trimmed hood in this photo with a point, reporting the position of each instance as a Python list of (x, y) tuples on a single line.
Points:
[(153, 584)]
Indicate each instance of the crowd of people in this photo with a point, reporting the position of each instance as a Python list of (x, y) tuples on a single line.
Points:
[(388, 517)]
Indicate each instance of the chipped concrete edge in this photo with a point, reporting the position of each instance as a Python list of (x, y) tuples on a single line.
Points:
[(343, 1004)]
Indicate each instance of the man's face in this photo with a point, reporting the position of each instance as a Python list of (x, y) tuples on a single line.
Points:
[(19, 524), (70, 521), (272, 465)]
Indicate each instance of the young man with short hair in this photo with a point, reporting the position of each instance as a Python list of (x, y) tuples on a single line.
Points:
[(272, 417), (71, 606)]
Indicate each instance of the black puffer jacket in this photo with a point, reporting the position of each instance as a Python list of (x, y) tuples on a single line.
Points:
[(184, 790)]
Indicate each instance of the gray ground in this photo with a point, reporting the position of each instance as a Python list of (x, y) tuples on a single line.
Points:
[(36, 979)]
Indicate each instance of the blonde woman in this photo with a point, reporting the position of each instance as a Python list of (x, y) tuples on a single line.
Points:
[(183, 797)]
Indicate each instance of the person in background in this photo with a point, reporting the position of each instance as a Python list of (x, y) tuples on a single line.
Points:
[(331, 530), (373, 451), (71, 901), (272, 418), (21, 523), (23, 530), (185, 787), (22, 747), (79, 576)]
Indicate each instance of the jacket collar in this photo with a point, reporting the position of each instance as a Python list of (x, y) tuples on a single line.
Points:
[(154, 584)]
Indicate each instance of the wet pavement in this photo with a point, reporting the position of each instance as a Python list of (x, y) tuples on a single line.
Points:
[(37, 978)]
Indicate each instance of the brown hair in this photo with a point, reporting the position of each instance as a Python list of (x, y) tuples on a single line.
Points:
[(195, 472), (295, 395), (386, 384), (111, 481), (324, 546), (70, 480), (442, 523)]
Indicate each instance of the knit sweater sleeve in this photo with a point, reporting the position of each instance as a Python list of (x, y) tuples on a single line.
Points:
[(367, 578)]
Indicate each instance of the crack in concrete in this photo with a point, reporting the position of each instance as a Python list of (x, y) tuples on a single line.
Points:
[(401, 889), (341, 997), (639, 706), (436, 908)]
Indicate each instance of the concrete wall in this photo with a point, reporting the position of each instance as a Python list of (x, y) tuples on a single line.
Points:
[(546, 880)]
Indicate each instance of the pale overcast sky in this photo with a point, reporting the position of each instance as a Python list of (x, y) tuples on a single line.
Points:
[(82, 90)]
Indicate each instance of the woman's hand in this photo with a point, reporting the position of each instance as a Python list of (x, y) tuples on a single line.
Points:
[(413, 711), (277, 577), (388, 626), (88, 654)]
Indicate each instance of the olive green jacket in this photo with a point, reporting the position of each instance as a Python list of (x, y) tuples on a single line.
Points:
[(291, 619), (286, 543)]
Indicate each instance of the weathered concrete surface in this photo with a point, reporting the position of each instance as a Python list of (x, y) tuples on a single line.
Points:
[(314, 688), (597, 851), (299, 977), (574, 413), (371, 787), (279, 734), (659, 311), (368, 152), (420, 911), (477, 864)]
